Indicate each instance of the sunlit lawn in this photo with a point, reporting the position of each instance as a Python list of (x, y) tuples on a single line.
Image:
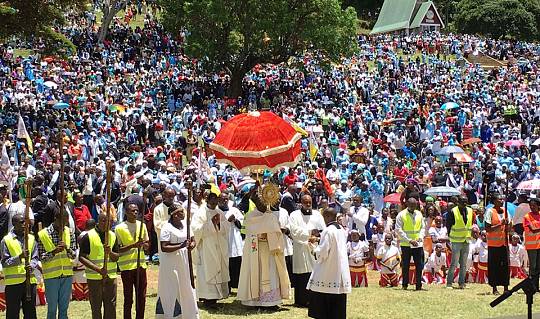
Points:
[(372, 302)]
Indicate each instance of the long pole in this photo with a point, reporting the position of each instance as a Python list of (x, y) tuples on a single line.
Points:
[(189, 184), (506, 232), (61, 184), (108, 166), (28, 193), (137, 280)]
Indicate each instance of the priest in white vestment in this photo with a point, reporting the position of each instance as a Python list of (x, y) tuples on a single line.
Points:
[(264, 280), (211, 232), (306, 225), (330, 281)]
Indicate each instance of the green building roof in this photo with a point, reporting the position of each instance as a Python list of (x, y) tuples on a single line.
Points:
[(398, 15)]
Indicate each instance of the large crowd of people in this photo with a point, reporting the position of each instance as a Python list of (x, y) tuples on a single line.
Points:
[(379, 126)]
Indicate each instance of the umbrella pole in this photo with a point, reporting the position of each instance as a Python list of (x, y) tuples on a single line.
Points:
[(506, 230)]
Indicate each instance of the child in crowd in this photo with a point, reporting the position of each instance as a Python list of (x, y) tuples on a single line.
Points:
[(377, 241), (358, 251), (518, 258), (481, 251), (435, 268), (388, 257)]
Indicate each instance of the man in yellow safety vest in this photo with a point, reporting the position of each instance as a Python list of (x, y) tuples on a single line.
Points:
[(130, 240), (459, 225), (57, 254), (101, 280), (13, 263), (410, 227)]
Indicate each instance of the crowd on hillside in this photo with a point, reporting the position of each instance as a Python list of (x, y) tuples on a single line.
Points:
[(381, 123)]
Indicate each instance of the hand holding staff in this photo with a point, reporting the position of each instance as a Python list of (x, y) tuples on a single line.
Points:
[(189, 185), (62, 199), (109, 168), (26, 252)]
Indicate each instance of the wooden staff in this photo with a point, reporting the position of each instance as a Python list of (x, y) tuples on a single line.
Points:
[(108, 168), (61, 184), (189, 185), (137, 280), (28, 191)]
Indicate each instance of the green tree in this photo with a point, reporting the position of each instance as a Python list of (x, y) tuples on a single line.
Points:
[(110, 9), (236, 35), (38, 18), (498, 18)]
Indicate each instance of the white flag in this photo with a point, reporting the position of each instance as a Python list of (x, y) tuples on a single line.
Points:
[(22, 133)]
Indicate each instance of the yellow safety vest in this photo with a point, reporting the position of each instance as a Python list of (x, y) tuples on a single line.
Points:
[(460, 232), (128, 259), (410, 227), (16, 274), (97, 253), (60, 264)]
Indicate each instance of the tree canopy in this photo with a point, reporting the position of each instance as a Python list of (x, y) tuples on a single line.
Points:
[(517, 19), (37, 18), (236, 35)]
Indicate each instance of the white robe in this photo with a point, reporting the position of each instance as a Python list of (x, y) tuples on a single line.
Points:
[(331, 271), (212, 254), (264, 280), (236, 243), (176, 297), (301, 226)]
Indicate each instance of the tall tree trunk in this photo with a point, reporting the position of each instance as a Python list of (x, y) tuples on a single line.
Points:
[(110, 9), (235, 88)]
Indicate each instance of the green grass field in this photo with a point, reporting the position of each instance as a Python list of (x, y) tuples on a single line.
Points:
[(373, 302)]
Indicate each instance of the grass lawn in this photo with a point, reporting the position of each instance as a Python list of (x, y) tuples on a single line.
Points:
[(22, 52), (138, 21), (372, 302)]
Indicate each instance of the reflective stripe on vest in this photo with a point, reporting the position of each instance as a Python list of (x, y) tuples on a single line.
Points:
[(496, 237), (461, 232), (532, 240), (97, 254), (60, 264), (15, 275), (128, 259), (412, 230)]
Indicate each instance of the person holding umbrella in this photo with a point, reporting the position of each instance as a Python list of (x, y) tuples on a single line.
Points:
[(497, 223)]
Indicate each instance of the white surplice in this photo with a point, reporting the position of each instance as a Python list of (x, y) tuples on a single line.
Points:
[(212, 254), (301, 226), (264, 280), (331, 270), (236, 243), (176, 297)]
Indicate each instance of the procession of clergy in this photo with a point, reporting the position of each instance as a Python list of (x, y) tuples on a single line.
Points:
[(322, 253)]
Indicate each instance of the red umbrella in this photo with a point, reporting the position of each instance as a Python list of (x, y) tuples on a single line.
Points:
[(257, 140), (394, 198), (515, 143)]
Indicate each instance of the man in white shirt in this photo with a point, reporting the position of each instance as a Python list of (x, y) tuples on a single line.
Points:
[(358, 215), (330, 281), (236, 243), (521, 210), (306, 225), (18, 208)]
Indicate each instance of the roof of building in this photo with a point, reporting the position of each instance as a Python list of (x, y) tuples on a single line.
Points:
[(403, 14)]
